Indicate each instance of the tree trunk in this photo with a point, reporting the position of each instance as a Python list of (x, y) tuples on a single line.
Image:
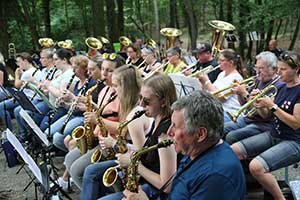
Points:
[(269, 33), (157, 27), (242, 36), (278, 29), (293, 41), (4, 39), (221, 10), (229, 11), (46, 17), (111, 19), (120, 23), (172, 13), (66, 14), (98, 19)]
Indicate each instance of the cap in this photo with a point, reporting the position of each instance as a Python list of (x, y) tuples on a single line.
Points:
[(203, 47)]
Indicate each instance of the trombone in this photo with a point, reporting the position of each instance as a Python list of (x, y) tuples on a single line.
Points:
[(204, 71), (249, 82), (262, 93), (155, 70)]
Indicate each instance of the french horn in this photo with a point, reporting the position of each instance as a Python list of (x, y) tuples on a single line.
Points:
[(46, 42), (125, 41)]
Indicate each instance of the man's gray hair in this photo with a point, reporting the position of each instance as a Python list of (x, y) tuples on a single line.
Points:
[(269, 57), (202, 109)]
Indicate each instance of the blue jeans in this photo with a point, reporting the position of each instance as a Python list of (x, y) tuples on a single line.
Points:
[(273, 153), (148, 189), (240, 130), (7, 107), (58, 138), (56, 115), (92, 185)]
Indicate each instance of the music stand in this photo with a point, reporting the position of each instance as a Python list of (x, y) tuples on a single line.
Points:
[(23, 100)]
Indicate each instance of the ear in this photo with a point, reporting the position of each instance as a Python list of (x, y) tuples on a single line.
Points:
[(202, 134)]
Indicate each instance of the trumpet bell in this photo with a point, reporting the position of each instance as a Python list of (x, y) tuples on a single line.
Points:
[(125, 41), (170, 32), (67, 44), (93, 43), (46, 42), (221, 25)]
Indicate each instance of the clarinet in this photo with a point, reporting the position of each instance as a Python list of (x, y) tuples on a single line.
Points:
[(58, 100), (74, 104)]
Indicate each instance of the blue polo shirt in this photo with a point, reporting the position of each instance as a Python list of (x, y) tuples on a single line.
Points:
[(217, 174)]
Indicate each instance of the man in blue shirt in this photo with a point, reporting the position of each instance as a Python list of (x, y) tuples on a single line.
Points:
[(209, 169)]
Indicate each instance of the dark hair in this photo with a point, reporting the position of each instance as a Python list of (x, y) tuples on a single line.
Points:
[(174, 50), (25, 56), (136, 48), (291, 58), (230, 54), (63, 54), (116, 59)]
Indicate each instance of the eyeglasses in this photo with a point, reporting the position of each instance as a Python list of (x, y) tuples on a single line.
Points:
[(144, 100), (108, 56), (288, 59)]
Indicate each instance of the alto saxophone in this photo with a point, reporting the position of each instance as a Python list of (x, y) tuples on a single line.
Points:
[(132, 171), (110, 176), (84, 135), (108, 153)]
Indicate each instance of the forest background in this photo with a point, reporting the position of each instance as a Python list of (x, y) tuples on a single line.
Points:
[(23, 22)]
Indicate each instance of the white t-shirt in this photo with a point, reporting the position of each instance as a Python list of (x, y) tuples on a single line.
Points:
[(231, 104)]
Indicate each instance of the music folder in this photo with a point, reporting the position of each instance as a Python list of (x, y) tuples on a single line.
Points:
[(23, 100)]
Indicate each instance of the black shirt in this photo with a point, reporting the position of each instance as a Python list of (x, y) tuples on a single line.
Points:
[(5, 75), (214, 74)]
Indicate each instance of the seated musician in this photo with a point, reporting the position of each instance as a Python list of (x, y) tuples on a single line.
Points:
[(266, 70), (74, 161), (156, 167), (126, 81), (230, 64), (3, 78), (134, 55), (150, 57), (209, 169), (176, 64), (205, 59), (23, 74), (279, 147)]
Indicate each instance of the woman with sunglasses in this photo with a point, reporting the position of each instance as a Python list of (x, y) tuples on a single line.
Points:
[(74, 161), (156, 167), (123, 78), (279, 147), (231, 65)]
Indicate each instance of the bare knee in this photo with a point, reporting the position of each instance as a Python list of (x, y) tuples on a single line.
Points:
[(256, 168), (238, 152)]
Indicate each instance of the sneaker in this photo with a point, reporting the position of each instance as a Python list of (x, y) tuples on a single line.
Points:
[(63, 184)]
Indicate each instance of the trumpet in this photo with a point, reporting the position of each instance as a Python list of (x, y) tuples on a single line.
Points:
[(204, 71), (249, 82), (156, 70), (262, 93)]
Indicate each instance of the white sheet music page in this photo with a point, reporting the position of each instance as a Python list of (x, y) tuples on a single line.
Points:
[(184, 85), (34, 127), (25, 156)]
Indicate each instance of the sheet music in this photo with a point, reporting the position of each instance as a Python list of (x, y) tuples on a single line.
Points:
[(26, 157), (34, 127), (184, 85)]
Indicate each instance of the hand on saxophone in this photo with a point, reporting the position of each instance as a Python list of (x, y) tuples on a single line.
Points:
[(106, 142), (90, 117), (141, 195), (123, 159)]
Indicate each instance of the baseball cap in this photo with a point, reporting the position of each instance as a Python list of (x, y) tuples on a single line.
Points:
[(203, 47)]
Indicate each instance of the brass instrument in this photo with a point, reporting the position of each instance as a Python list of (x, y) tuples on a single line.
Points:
[(67, 44), (132, 171), (151, 43), (205, 71), (93, 44), (249, 82), (110, 176), (108, 153), (84, 135), (104, 40), (46, 43), (11, 51), (163, 65), (125, 41), (219, 35), (170, 34), (262, 93)]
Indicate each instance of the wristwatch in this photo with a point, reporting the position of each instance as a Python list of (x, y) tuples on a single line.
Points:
[(274, 108)]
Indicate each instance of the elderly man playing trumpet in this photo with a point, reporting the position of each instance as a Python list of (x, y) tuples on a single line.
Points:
[(249, 125)]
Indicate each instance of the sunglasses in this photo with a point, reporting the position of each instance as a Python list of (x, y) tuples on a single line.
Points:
[(288, 59), (111, 56), (144, 100)]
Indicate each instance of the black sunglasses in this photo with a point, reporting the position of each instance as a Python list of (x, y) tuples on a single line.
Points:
[(144, 100)]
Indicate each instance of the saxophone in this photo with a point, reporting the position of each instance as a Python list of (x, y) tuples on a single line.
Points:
[(84, 135), (132, 171), (108, 153), (110, 176)]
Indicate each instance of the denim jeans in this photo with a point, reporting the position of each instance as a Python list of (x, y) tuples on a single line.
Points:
[(235, 132), (54, 116), (92, 184), (272, 152), (58, 137), (6, 108)]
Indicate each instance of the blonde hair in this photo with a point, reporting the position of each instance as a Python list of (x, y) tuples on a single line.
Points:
[(130, 81)]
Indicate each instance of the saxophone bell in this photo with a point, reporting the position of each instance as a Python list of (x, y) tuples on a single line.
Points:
[(111, 178), (79, 135)]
